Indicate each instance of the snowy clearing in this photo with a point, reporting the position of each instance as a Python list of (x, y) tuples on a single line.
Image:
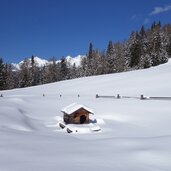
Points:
[(135, 134)]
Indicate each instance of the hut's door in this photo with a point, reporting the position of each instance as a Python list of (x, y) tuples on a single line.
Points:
[(82, 119)]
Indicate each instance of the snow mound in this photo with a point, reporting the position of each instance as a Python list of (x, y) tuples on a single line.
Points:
[(16, 119), (79, 128), (92, 127)]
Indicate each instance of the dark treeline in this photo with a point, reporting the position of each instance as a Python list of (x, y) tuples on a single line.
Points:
[(143, 49)]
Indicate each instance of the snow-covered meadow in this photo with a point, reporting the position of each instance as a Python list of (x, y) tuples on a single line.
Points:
[(135, 134)]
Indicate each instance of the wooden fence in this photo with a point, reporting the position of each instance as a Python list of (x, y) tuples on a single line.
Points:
[(141, 97)]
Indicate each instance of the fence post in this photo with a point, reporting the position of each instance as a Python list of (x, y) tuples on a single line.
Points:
[(118, 96), (142, 97)]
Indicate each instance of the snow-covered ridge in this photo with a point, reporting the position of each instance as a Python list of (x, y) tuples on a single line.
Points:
[(75, 60), (41, 62), (38, 61)]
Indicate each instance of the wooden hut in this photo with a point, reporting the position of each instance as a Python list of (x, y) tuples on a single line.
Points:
[(76, 114)]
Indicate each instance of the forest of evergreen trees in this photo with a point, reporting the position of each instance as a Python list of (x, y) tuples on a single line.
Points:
[(143, 49)]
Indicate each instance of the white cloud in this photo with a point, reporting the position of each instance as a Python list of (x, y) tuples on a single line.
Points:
[(158, 10)]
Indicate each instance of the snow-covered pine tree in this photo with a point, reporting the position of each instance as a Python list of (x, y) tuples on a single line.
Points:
[(145, 59), (3, 76), (126, 55), (73, 72), (159, 45), (167, 32), (33, 72), (156, 46), (64, 69), (24, 74), (90, 56), (11, 80), (83, 68), (95, 63), (110, 57), (52, 72), (169, 47), (100, 63), (142, 32), (135, 50), (119, 60), (43, 77), (163, 51)]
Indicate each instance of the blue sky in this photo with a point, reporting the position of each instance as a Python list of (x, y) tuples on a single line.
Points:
[(48, 28)]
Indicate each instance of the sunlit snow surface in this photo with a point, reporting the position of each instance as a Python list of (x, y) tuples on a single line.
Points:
[(135, 134)]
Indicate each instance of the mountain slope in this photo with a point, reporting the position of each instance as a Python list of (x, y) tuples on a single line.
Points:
[(136, 134)]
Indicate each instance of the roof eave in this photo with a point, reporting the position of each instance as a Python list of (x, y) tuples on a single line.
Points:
[(70, 113)]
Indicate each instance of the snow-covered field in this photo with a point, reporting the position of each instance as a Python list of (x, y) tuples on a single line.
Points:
[(135, 134)]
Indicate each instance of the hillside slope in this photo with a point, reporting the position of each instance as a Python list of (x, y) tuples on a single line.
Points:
[(135, 134), (150, 81)]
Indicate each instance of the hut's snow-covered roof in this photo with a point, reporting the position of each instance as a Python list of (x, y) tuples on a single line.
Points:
[(74, 107)]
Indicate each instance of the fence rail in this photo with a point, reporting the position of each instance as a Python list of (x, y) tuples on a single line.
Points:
[(160, 98), (141, 97)]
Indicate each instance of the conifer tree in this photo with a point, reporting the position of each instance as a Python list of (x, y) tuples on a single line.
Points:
[(158, 45), (119, 61), (90, 52), (33, 72), (24, 74), (63, 69), (10, 80), (84, 68), (89, 60), (169, 48), (110, 49), (2, 75), (142, 32), (135, 51), (73, 72), (110, 56)]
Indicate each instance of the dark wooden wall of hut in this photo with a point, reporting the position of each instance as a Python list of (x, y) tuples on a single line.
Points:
[(80, 116)]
